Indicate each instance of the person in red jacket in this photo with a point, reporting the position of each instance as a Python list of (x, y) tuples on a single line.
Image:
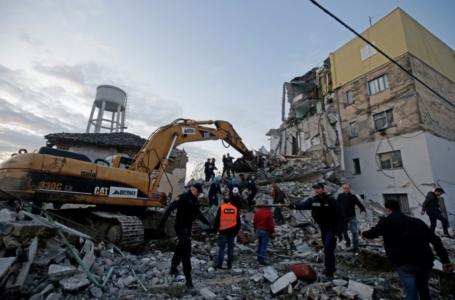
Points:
[(264, 228)]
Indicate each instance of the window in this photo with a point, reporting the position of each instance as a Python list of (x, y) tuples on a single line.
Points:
[(357, 166), (391, 160), (349, 97), (367, 52), (402, 200), (352, 132), (383, 120), (377, 85)]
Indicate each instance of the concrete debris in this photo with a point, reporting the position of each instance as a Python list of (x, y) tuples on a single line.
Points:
[(7, 216), (283, 282), (51, 272)]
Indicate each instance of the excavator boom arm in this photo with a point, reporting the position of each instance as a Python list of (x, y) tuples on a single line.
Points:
[(164, 139)]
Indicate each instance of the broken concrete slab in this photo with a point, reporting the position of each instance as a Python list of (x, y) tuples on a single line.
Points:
[(128, 280), (54, 296), (207, 294), (283, 282), (30, 228), (96, 292), (5, 265), (10, 242), (71, 234), (7, 215), (363, 290), (74, 283), (18, 274), (89, 259), (45, 256), (270, 274), (58, 272)]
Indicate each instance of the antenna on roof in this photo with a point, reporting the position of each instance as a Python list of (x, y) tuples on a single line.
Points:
[(371, 18)]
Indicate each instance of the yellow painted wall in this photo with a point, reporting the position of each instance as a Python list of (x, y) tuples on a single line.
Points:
[(395, 34), (428, 48)]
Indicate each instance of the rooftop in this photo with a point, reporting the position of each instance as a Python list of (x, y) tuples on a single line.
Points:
[(124, 139)]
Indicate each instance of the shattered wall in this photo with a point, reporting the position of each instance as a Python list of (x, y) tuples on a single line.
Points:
[(400, 96)]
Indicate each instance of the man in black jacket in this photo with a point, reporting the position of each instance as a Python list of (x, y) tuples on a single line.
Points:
[(347, 203), (188, 210), (213, 190), (227, 222), (327, 213), (406, 243), (252, 191), (431, 207), (207, 171), (261, 165)]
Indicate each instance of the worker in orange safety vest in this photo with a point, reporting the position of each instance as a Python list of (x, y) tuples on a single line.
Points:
[(227, 222)]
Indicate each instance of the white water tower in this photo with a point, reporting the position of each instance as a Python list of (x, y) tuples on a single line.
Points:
[(112, 99)]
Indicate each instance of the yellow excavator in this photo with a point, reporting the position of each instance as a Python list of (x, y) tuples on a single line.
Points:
[(119, 187)]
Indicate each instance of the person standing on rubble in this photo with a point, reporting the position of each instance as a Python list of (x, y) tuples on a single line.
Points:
[(327, 213), (407, 245), (213, 190), (347, 203), (188, 210), (230, 187), (261, 165), (236, 200), (212, 168), (252, 191), (264, 228), (227, 223), (278, 198), (431, 207), (207, 170), (225, 167)]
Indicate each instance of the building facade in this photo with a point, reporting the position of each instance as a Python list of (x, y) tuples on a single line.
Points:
[(394, 137)]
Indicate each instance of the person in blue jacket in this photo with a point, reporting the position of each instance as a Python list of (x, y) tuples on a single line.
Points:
[(327, 213)]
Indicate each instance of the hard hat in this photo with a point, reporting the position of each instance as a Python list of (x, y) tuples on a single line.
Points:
[(234, 180), (217, 179), (213, 158), (235, 190)]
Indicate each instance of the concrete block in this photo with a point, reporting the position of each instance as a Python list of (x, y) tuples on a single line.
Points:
[(339, 282), (10, 242), (7, 216), (75, 283), (96, 292), (164, 265), (5, 265), (58, 272), (54, 296), (25, 255), (270, 274), (44, 256), (37, 297), (120, 283), (31, 228), (207, 294), (363, 290), (128, 280), (283, 282), (89, 259)]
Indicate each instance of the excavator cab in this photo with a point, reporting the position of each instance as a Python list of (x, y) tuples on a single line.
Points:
[(115, 161)]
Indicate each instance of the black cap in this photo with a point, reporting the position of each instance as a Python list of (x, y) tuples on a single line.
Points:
[(318, 185), (439, 190), (198, 186)]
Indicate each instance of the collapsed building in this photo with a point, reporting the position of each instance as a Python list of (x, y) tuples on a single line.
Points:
[(391, 137)]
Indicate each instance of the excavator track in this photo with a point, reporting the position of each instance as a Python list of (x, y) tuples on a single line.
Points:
[(127, 231)]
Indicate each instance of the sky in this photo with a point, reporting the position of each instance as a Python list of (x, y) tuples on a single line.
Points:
[(201, 60)]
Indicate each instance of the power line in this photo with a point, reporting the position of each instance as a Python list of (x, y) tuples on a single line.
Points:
[(380, 51)]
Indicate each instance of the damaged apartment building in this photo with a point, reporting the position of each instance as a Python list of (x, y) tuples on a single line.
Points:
[(391, 136)]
